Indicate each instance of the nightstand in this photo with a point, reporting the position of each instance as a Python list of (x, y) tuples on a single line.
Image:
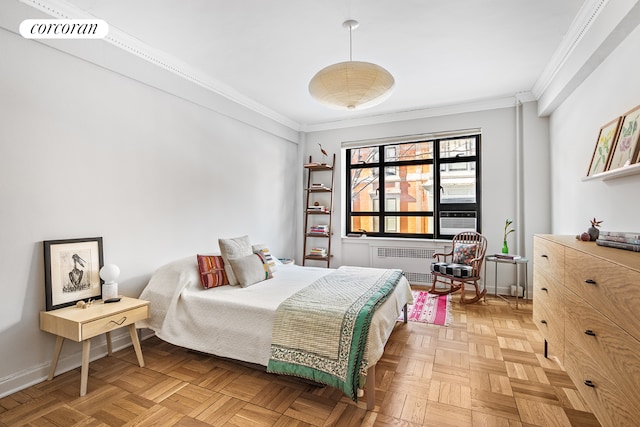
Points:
[(82, 324)]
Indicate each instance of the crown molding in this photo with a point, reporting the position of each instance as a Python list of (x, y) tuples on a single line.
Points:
[(445, 110), (63, 10), (580, 25)]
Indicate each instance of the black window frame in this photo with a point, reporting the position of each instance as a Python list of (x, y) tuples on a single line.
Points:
[(436, 161)]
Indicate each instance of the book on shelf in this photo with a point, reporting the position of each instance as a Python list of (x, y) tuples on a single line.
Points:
[(319, 252), (507, 257), (618, 245)]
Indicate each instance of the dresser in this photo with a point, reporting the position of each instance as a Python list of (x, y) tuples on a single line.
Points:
[(587, 307)]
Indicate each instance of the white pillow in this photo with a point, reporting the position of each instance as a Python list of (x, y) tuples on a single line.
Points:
[(235, 247), (250, 269)]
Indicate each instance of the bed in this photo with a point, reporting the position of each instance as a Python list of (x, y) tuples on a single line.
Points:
[(237, 322)]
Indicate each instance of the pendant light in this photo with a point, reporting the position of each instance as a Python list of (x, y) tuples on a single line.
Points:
[(352, 84)]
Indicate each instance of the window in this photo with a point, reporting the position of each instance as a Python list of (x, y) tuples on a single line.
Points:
[(399, 189)]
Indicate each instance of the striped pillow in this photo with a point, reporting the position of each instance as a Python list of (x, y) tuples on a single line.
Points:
[(212, 272), (266, 254)]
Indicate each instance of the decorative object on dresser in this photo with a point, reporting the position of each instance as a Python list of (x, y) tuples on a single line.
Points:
[(586, 306), (82, 324), (71, 271), (629, 241), (467, 254)]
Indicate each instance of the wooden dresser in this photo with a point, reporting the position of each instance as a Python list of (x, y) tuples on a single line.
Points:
[(587, 306)]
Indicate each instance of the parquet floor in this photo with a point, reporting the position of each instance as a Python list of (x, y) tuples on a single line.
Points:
[(485, 369)]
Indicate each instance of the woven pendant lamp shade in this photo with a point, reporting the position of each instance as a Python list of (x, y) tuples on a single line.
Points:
[(351, 85)]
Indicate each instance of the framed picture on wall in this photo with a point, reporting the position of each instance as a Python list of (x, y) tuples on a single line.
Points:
[(625, 150), (72, 271), (606, 138)]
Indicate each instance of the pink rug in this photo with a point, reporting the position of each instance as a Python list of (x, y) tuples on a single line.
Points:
[(427, 308)]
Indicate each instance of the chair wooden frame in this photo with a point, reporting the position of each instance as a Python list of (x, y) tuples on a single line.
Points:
[(458, 283)]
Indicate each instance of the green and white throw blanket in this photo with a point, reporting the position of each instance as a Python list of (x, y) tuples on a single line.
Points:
[(320, 333)]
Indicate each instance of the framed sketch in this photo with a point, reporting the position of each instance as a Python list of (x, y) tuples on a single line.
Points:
[(606, 138), (625, 150), (72, 271)]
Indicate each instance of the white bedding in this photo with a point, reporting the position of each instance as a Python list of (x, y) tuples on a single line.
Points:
[(235, 322)]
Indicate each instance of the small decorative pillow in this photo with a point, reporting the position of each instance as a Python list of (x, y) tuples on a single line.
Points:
[(266, 254), (235, 247), (250, 269), (212, 272), (463, 253)]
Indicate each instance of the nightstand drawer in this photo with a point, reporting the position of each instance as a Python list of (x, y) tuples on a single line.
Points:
[(115, 321)]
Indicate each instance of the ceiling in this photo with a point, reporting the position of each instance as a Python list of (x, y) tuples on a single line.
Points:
[(440, 52)]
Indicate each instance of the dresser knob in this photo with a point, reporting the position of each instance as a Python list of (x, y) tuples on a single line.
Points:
[(544, 289), (544, 256), (544, 322), (590, 281), (590, 332), (589, 383)]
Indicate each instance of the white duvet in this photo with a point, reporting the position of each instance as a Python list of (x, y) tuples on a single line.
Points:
[(236, 322)]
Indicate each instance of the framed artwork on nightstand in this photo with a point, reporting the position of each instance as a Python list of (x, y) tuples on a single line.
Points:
[(72, 271)]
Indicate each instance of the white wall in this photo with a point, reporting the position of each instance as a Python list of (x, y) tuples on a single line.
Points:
[(611, 90), (88, 152), (499, 169)]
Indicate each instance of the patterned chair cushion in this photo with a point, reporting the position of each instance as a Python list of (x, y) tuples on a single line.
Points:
[(463, 253)]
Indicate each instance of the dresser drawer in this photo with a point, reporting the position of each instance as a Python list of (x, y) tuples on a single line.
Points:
[(550, 323), (609, 288), (614, 349), (605, 398), (112, 322), (548, 258)]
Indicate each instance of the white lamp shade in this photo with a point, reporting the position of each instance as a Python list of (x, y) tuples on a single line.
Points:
[(110, 273), (351, 85)]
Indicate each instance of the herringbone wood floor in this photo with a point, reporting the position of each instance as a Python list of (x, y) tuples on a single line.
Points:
[(485, 369)]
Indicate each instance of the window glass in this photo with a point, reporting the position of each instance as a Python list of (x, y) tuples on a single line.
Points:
[(408, 151), (364, 190), (458, 147), (364, 155), (409, 224), (410, 187), (458, 182), (367, 224)]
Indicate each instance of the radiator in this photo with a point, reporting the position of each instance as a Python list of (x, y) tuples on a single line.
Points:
[(415, 262)]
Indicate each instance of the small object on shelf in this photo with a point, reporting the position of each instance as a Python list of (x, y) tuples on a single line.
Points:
[(286, 260), (508, 257), (111, 300)]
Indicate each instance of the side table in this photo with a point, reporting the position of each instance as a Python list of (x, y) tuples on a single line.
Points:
[(82, 324), (515, 261)]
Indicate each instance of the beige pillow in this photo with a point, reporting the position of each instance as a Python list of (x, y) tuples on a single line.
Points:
[(250, 269), (235, 247)]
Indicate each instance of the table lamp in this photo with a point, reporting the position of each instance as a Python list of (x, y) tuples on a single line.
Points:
[(109, 273)]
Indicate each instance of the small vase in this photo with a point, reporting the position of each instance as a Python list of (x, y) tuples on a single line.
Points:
[(505, 247)]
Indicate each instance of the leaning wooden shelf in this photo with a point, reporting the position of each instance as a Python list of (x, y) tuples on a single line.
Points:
[(318, 188)]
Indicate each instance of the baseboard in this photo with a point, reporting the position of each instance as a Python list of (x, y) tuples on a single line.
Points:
[(20, 380)]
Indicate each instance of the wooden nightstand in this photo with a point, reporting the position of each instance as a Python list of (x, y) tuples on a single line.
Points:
[(82, 324)]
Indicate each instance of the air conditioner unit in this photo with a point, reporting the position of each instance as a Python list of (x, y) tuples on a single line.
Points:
[(454, 222)]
